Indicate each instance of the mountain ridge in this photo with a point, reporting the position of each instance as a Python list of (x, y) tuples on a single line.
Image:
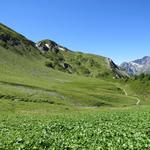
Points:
[(137, 66), (60, 58), (49, 46)]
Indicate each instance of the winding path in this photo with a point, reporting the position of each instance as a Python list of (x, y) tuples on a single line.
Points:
[(138, 100), (125, 92)]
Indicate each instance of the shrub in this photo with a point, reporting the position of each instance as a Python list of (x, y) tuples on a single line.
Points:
[(49, 64), (85, 71)]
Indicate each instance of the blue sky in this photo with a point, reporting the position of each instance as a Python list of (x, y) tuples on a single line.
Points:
[(119, 29)]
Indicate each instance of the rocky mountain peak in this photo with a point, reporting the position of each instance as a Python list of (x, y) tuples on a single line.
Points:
[(145, 60), (137, 66), (117, 70), (46, 45)]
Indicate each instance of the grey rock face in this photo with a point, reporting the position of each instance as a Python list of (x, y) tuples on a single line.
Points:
[(137, 66), (46, 45), (117, 70)]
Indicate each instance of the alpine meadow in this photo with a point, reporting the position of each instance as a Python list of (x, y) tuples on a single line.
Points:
[(55, 98)]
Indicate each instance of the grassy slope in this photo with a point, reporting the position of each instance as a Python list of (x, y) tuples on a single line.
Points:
[(140, 89), (25, 78), (97, 65), (76, 62)]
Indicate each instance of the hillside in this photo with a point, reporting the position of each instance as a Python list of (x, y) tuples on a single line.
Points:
[(139, 86), (25, 75), (63, 59), (11, 40)]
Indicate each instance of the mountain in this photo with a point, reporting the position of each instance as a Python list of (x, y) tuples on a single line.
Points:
[(46, 45), (9, 39), (63, 59), (47, 72), (137, 66), (59, 57)]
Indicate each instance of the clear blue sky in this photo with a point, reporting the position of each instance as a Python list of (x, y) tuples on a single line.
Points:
[(119, 29)]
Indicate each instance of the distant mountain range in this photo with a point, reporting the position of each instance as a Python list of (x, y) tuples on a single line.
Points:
[(138, 66)]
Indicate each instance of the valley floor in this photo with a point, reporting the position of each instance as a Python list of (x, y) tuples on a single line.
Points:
[(42, 126)]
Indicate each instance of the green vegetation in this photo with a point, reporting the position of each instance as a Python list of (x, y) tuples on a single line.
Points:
[(63, 59), (34, 76), (67, 100), (116, 129), (78, 63), (140, 86), (26, 78)]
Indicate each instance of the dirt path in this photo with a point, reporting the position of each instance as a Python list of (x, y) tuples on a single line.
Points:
[(125, 92), (138, 100)]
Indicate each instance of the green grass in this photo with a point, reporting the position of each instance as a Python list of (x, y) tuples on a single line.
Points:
[(77, 62), (26, 78), (19, 44), (140, 89)]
